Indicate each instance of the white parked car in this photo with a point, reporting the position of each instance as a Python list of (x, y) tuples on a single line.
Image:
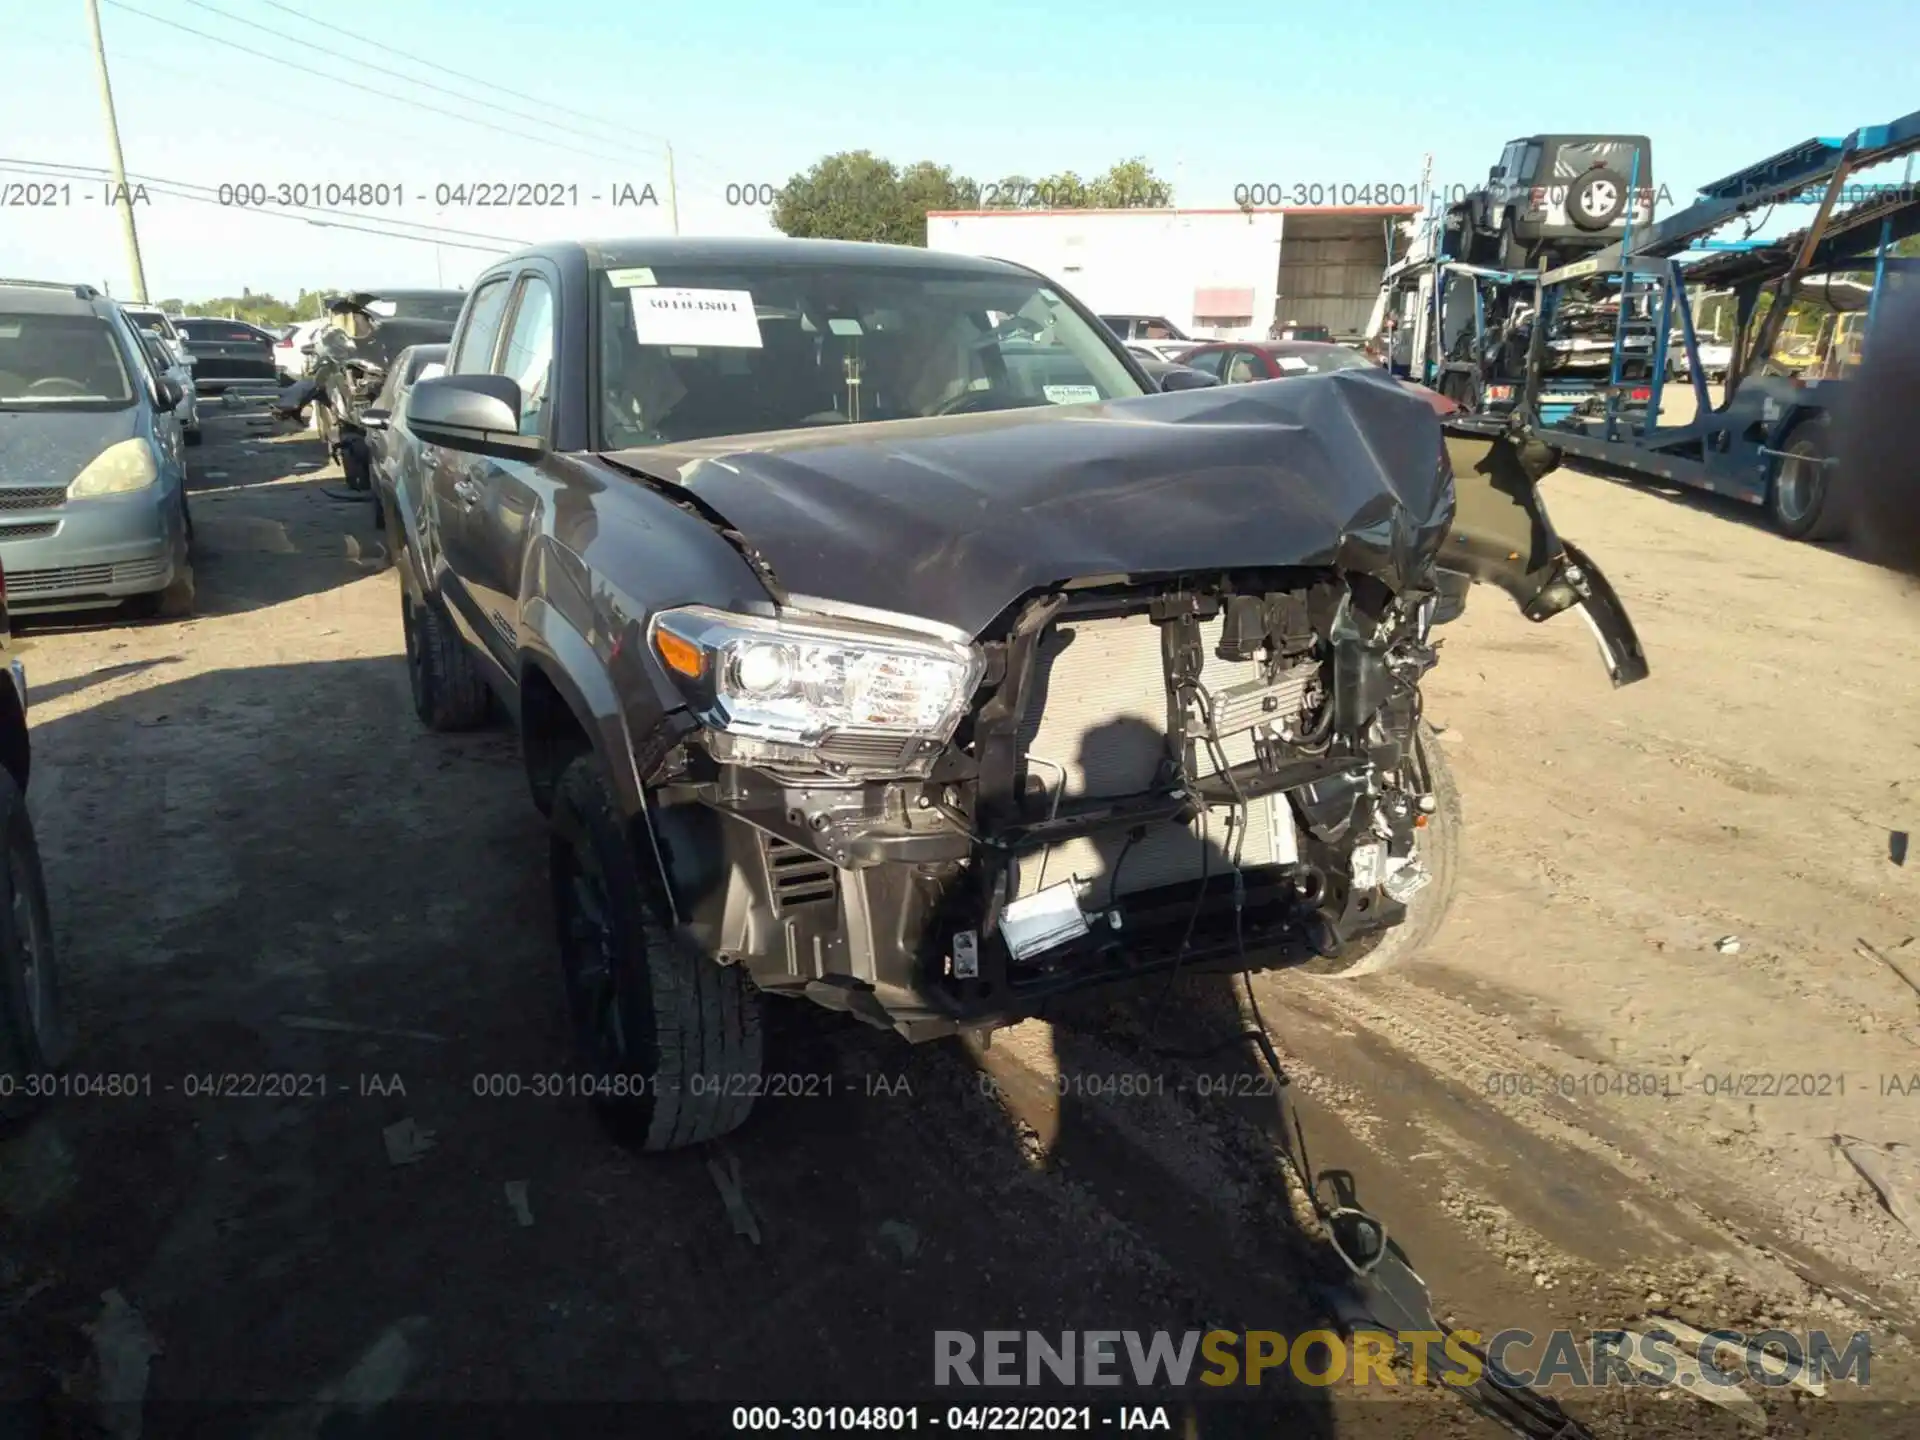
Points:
[(1715, 357), (173, 345), (290, 354)]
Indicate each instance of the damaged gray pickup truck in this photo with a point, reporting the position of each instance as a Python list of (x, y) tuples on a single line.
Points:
[(878, 634)]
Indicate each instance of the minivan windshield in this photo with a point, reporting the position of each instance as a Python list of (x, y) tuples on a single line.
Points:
[(55, 360), (688, 354)]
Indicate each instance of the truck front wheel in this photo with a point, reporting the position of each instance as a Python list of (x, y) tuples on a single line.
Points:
[(668, 1040)]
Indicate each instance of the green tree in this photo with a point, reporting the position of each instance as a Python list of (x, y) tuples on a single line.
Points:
[(857, 195), (1130, 185), (854, 195)]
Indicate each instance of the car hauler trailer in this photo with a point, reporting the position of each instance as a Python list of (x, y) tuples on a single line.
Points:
[(1767, 441), (1463, 330)]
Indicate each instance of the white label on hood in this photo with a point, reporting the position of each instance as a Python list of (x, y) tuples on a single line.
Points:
[(722, 318), (1071, 394), (628, 278)]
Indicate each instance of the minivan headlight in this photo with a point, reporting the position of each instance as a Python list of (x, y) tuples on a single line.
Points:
[(117, 470), (798, 682)]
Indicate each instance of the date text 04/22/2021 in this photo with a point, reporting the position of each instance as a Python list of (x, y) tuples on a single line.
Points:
[(443, 195), (912, 1419)]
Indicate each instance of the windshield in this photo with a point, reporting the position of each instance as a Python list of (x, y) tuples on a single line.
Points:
[(689, 355), (1320, 360), (154, 323), (60, 360), (443, 308)]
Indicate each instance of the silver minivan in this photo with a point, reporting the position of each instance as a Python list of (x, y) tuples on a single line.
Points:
[(93, 485)]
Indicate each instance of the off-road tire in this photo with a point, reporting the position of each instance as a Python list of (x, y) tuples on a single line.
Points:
[(28, 1045), (355, 464), (448, 691), (680, 1061), (1440, 850), (1593, 220), (1819, 519)]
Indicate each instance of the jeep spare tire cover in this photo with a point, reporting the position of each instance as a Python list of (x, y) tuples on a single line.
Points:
[(1596, 199)]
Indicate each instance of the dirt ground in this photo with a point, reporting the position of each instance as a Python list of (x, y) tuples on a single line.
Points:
[(1612, 1090)]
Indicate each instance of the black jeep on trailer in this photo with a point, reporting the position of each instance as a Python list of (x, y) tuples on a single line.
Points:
[(1552, 197)]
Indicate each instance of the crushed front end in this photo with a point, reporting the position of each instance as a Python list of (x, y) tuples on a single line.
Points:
[(1112, 780)]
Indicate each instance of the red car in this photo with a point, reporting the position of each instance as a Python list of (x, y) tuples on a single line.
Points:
[(1238, 362)]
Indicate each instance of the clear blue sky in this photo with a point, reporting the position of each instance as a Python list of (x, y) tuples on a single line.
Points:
[(1212, 95)]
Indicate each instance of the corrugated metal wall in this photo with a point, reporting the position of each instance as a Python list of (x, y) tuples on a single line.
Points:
[(1330, 268)]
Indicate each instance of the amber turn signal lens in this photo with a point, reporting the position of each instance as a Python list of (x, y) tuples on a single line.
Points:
[(683, 657)]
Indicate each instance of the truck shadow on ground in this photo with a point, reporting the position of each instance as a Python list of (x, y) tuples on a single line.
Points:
[(361, 909)]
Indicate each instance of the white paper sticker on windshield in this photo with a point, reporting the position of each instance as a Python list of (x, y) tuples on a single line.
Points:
[(845, 327), (722, 318), (385, 309), (627, 279), (1071, 394), (1291, 362)]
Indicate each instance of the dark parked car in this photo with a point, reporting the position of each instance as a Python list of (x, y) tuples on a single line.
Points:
[(854, 661), (1239, 362), (365, 333), (228, 354), (33, 1029), (391, 446), (1143, 327)]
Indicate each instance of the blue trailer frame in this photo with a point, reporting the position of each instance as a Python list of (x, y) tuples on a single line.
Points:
[(1766, 442), (1560, 398)]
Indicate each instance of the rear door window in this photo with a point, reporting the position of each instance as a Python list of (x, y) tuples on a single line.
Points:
[(1245, 368), (528, 358), (481, 333)]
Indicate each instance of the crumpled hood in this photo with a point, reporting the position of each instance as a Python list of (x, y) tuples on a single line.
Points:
[(51, 447), (953, 519)]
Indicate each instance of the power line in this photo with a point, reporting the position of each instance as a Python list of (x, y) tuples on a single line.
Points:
[(359, 63), (45, 170), (352, 85), (495, 85)]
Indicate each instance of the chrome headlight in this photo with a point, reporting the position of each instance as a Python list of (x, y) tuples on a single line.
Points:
[(798, 682), (117, 470)]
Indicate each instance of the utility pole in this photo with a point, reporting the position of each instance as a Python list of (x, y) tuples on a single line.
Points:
[(119, 165), (673, 195)]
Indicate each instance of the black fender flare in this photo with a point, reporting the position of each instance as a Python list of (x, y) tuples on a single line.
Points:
[(553, 645)]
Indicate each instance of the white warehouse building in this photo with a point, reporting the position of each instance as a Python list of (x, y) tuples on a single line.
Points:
[(1217, 274)]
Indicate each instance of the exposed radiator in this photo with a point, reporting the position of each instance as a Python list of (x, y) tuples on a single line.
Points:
[(1099, 712)]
